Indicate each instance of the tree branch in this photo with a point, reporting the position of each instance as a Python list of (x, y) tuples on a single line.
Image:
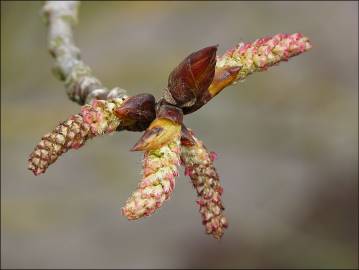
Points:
[(81, 85)]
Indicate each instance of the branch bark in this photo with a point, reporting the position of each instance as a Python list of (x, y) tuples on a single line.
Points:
[(81, 85)]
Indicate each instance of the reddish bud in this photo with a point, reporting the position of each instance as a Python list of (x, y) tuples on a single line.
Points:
[(192, 77), (168, 111), (137, 112)]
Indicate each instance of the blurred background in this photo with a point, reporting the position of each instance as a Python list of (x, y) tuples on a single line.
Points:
[(287, 141)]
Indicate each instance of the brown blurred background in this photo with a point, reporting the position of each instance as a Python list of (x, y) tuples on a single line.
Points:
[(287, 141)]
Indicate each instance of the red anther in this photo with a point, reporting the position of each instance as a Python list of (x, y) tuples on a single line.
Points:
[(187, 171), (213, 155)]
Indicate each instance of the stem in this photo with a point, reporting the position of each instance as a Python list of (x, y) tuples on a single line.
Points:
[(81, 85)]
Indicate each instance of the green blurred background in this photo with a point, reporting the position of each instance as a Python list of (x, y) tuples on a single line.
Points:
[(287, 141)]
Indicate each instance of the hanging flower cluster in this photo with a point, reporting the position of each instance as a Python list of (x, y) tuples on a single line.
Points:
[(198, 163), (166, 142), (160, 167), (93, 120)]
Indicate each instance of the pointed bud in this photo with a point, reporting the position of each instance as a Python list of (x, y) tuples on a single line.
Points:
[(191, 77), (167, 123), (160, 132)]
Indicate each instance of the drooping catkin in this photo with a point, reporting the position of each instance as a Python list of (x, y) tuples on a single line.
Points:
[(160, 167), (93, 120), (198, 163)]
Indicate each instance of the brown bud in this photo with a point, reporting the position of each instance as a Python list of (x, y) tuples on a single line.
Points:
[(168, 111), (137, 112), (191, 77)]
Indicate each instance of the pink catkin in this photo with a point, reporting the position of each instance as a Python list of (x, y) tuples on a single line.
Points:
[(263, 53), (199, 167), (93, 120), (158, 182)]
